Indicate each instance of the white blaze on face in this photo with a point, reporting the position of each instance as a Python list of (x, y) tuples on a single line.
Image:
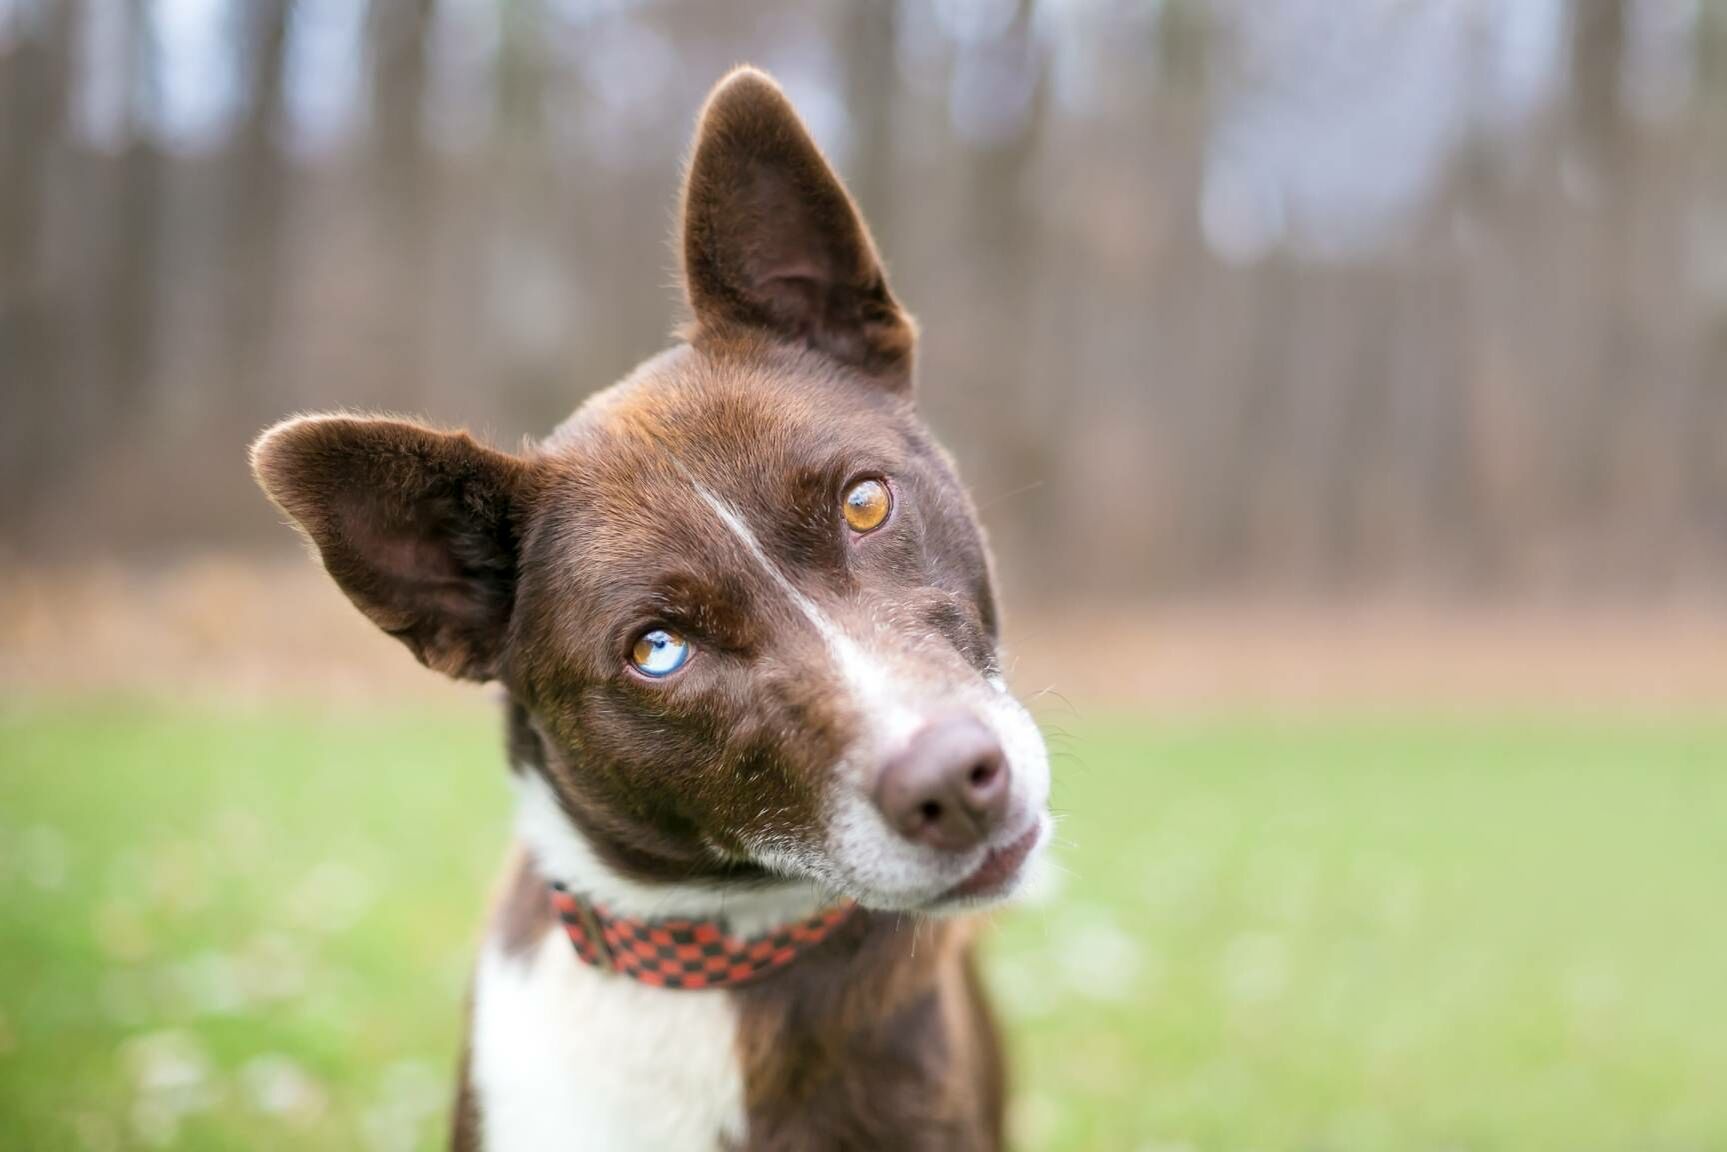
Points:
[(865, 857), (873, 690)]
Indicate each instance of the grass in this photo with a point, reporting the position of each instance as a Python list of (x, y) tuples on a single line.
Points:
[(251, 930)]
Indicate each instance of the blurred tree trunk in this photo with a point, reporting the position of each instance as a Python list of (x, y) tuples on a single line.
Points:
[(257, 187), (524, 278), (1703, 447), (399, 32), (404, 183), (34, 81), (1605, 391), (122, 340), (868, 34), (1005, 241)]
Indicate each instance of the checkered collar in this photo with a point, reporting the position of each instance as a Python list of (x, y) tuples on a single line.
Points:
[(690, 954)]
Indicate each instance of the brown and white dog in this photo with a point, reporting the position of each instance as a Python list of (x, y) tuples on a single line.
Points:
[(741, 608)]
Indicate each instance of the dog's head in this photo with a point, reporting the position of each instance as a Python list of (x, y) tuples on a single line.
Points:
[(740, 601)]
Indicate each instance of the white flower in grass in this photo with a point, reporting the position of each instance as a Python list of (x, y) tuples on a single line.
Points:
[(127, 874), (1255, 968), (278, 1086), (1362, 1127), (1035, 1119), (242, 837), (179, 876), (95, 1131), (273, 967), (1022, 988), (1400, 901), (172, 1079), (209, 984), (409, 1095), (168, 1063), (120, 931), (125, 995), (332, 897), (1174, 880), (1098, 960), (1281, 887), (42, 857), (1590, 991), (155, 1122)]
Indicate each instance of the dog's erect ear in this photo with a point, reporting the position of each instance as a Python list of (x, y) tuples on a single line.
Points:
[(771, 239), (418, 527)]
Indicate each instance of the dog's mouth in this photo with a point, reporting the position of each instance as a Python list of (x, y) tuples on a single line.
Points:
[(998, 873)]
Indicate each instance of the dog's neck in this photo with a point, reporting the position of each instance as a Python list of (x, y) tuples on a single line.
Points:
[(564, 856)]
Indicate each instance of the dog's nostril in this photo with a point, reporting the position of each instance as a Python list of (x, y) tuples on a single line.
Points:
[(948, 788)]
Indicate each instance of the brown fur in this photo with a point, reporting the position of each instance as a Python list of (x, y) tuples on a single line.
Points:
[(772, 239), (465, 1116), (418, 527), (760, 428), (539, 570), (521, 911), (876, 1042)]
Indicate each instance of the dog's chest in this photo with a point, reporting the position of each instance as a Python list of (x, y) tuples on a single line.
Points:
[(565, 1056)]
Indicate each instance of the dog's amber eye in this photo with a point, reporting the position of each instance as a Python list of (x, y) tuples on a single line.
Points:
[(867, 504), (659, 652)]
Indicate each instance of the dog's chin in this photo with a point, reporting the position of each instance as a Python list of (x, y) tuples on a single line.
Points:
[(995, 877), (1007, 870)]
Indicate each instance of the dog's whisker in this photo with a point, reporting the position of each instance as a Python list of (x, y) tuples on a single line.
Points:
[(1010, 494), (1065, 702)]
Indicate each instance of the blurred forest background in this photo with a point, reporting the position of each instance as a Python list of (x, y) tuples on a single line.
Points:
[(1313, 297), (1344, 386)]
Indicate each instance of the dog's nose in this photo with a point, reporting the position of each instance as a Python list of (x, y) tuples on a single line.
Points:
[(948, 787)]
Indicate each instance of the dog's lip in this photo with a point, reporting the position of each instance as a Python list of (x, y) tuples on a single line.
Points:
[(1000, 866)]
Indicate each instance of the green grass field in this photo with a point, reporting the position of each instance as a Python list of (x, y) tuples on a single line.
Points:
[(251, 931)]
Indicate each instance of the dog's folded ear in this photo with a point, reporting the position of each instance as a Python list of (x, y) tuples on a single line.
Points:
[(772, 240), (418, 527)]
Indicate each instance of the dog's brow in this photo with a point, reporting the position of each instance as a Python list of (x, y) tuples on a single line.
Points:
[(732, 520), (869, 681)]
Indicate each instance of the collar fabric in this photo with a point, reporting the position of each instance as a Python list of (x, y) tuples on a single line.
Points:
[(689, 954)]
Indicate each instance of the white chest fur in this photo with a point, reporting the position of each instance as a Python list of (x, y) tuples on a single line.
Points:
[(566, 1056)]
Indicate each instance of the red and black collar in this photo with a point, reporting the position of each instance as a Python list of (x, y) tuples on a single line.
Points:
[(692, 954)]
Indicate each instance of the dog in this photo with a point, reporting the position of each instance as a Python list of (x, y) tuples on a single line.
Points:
[(742, 613)]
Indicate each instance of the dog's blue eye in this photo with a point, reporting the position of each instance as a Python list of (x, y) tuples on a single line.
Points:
[(659, 652)]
